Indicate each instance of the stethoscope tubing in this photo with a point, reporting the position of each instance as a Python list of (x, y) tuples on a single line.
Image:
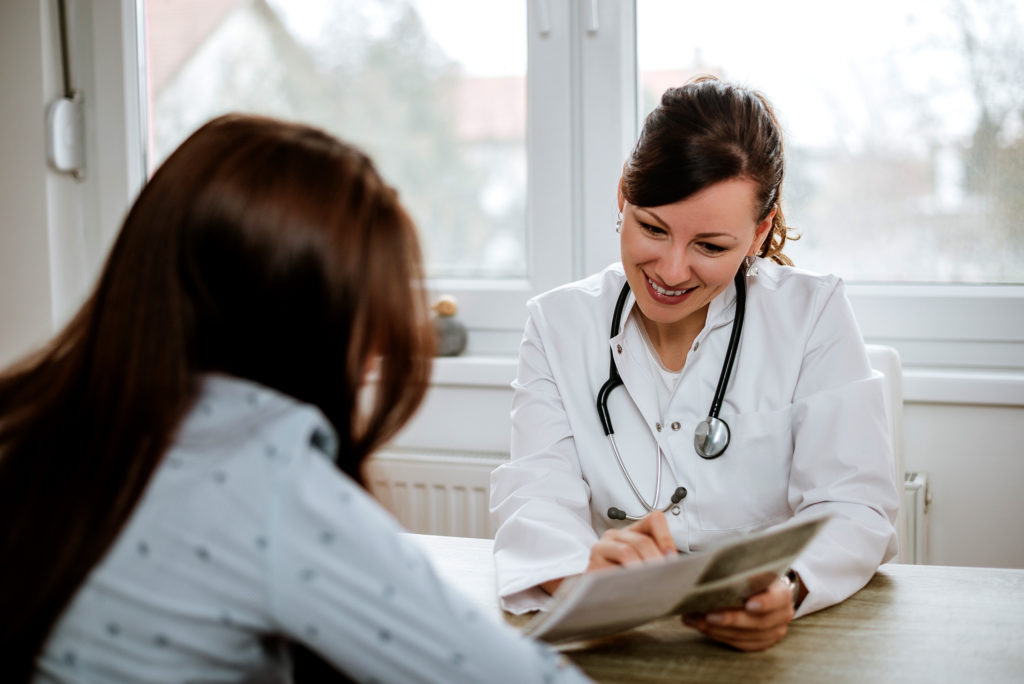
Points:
[(615, 380), (632, 485), (734, 342)]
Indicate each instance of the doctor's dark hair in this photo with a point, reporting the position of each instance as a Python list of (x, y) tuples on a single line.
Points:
[(704, 132), (261, 249)]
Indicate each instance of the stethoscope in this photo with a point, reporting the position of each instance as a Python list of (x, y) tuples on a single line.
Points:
[(710, 438)]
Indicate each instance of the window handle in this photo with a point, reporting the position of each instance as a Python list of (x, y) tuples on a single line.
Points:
[(591, 21), (543, 17)]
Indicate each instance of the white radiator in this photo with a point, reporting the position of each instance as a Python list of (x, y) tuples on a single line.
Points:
[(435, 494), (916, 498), (448, 495)]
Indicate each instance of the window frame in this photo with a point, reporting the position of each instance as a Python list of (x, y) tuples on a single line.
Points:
[(581, 122)]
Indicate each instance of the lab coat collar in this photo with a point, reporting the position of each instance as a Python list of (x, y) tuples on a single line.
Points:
[(634, 369), (628, 347), (721, 311), (637, 379)]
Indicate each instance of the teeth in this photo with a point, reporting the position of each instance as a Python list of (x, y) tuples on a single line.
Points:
[(670, 293)]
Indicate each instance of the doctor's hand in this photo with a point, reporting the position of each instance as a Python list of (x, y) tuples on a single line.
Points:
[(645, 540), (761, 623)]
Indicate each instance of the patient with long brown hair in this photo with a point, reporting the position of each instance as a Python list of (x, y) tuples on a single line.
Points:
[(180, 467)]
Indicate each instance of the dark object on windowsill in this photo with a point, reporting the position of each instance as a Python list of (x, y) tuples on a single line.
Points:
[(450, 331), (309, 668)]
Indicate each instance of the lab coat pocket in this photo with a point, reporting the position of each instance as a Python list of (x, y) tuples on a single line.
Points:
[(746, 487)]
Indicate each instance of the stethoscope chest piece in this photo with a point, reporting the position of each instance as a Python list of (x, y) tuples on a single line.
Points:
[(711, 437)]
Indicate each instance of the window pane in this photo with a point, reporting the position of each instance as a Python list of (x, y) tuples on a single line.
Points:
[(433, 90), (904, 122)]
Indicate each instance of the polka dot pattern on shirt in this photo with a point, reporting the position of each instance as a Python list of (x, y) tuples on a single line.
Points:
[(215, 484)]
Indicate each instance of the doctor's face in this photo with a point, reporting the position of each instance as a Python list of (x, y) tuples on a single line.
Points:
[(679, 256)]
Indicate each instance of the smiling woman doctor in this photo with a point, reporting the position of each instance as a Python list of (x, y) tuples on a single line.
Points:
[(701, 389)]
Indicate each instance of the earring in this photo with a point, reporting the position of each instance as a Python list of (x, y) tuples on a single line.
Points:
[(750, 263), (618, 223)]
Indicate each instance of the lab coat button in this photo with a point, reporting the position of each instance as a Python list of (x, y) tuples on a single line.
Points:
[(696, 346), (658, 426), (676, 425), (619, 347)]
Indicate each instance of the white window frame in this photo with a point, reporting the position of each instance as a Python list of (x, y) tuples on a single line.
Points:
[(573, 161), (956, 342)]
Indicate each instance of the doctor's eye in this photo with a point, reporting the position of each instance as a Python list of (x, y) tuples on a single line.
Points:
[(651, 229), (712, 248)]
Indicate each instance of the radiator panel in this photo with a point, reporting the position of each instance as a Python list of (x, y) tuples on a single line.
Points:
[(914, 542), (435, 494), (448, 495)]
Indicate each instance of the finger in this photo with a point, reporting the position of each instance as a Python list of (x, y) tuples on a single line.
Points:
[(778, 595), (627, 549), (644, 544), (743, 619), (742, 636), (623, 547), (629, 546), (748, 641), (608, 552), (655, 525), (743, 639)]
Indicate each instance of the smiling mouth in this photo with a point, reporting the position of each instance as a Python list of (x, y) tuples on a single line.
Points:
[(668, 293)]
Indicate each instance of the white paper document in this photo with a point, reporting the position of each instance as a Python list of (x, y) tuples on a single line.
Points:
[(615, 599)]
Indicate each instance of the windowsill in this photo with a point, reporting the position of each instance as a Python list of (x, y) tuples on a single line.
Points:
[(474, 371), (963, 386), (920, 384)]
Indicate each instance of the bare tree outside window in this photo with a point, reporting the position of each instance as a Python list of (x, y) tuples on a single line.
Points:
[(450, 138), (904, 123)]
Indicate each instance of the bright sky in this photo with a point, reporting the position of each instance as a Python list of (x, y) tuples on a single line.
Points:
[(821, 63), (488, 37), (834, 70)]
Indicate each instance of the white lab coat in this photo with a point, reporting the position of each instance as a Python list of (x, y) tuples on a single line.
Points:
[(807, 418)]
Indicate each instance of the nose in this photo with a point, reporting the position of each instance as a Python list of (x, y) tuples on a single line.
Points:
[(674, 266)]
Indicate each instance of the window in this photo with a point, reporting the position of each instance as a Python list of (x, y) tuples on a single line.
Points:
[(904, 124), (546, 214), (436, 91), (441, 110)]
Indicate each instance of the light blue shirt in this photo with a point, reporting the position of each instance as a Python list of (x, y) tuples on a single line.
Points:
[(248, 533)]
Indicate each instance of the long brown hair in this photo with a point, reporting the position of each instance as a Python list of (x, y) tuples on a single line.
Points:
[(704, 132), (262, 249)]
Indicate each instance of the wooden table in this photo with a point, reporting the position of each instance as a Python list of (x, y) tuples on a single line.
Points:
[(911, 623)]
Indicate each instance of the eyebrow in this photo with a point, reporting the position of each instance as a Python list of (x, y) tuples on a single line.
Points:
[(664, 224)]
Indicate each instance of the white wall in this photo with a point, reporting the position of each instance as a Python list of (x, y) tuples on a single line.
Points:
[(974, 458)]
